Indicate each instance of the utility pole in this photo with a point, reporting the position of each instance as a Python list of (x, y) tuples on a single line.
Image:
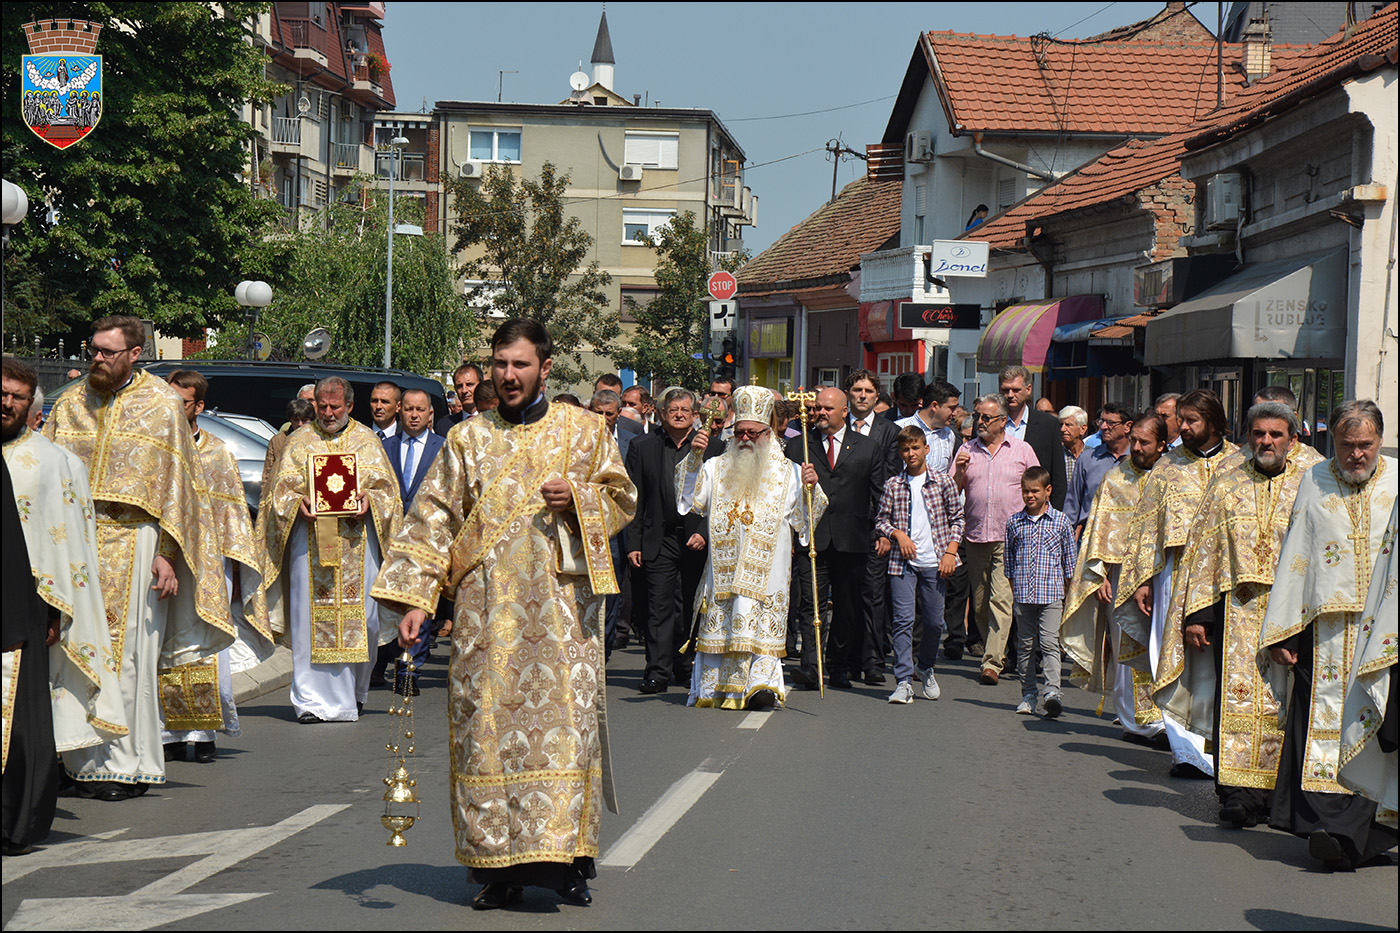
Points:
[(836, 150)]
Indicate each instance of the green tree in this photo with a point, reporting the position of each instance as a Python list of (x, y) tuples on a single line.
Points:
[(335, 278), (519, 242), (671, 328), (152, 217)]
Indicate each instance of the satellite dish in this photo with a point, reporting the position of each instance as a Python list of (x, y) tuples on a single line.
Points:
[(317, 344), (303, 104), (578, 80)]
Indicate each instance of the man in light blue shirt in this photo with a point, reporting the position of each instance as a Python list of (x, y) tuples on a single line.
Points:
[(1115, 424)]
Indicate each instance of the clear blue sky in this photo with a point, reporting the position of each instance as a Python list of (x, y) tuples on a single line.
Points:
[(756, 65)]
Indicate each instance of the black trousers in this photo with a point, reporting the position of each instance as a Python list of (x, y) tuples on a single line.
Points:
[(672, 578), (876, 611), (843, 573), (956, 611)]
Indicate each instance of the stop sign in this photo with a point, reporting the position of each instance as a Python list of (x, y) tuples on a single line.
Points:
[(722, 286)]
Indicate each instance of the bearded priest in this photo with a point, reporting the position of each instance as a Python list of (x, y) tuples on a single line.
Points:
[(1338, 535), (754, 499), (320, 569)]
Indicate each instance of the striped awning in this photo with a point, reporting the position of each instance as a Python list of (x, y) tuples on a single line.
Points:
[(1021, 334)]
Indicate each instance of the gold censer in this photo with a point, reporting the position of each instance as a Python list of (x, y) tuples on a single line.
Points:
[(400, 798)]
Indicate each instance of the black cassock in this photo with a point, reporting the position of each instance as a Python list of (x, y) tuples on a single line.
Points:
[(30, 787)]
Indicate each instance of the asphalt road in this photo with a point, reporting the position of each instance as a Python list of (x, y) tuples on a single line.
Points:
[(835, 813)]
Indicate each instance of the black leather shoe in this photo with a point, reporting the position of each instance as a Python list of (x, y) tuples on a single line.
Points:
[(576, 893), (1188, 771), (653, 685), (174, 751), (1237, 815), (762, 699), (1327, 850), (205, 752), (805, 676), (110, 791), (307, 718), (953, 652), (412, 686), (840, 681), (496, 896), (874, 678)]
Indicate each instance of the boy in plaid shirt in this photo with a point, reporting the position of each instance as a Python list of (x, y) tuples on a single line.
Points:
[(1039, 558), (921, 516)]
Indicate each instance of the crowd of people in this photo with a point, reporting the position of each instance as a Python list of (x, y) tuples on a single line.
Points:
[(1232, 605)]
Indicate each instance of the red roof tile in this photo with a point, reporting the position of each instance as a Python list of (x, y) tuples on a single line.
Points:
[(1135, 165), (1009, 84), (829, 242)]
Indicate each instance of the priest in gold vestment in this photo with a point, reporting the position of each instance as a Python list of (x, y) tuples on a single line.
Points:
[(1338, 534), (1156, 537), (319, 569), (513, 521), (1208, 679), (197, 699), (1088, 634), (753, 497), (160, 569)]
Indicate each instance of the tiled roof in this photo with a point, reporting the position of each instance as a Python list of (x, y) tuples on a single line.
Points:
[(1009, 84), (1136, 164), (1123, 326), (829, 242)]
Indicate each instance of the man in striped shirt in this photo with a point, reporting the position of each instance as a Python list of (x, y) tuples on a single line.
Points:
[(988, 470)]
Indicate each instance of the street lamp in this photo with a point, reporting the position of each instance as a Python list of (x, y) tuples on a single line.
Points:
[(16, 206), (395, 149), (252, 294)]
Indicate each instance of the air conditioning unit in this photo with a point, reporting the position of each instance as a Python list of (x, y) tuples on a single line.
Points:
[(472, 170), (347, 110), (630, 173), (918, 147), (1224, 200)]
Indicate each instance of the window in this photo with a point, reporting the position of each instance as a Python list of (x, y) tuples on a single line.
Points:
[(1006, 194), (491, 145), (920, 210), (828, 376), (636, 223), (653, 150)]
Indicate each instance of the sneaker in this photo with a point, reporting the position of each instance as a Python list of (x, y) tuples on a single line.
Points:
[(1053, 706), (904, 693), (1027, 707), (931, 689)]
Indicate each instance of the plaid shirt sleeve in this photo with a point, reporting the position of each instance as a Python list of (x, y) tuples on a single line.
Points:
[(1069, 550), (1008, 553), (894, 516)]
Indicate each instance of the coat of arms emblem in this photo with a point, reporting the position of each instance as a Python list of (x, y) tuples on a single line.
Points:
[(62, 80)]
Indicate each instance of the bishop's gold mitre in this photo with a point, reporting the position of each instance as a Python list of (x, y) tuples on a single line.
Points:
[(753, 403)]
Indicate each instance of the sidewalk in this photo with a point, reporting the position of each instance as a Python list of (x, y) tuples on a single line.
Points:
[(273, 674)]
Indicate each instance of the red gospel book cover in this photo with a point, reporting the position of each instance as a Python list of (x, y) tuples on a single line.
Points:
[(334, 481)]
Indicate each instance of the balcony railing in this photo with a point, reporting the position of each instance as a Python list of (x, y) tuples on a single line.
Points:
[(346, 156), (286, 131), (307, 34), (892, 274)]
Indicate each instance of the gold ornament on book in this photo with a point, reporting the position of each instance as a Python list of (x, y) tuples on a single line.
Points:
[(400, 796)]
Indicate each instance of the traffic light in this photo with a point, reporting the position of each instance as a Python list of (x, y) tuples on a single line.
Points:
[(729, 356)]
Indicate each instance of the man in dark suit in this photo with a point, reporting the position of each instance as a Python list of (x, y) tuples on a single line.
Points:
[(906, 389), (667, 546), (862, 394), (618, 606), (851, 470), (411, 451), (1037, 428), (465, 379), (611, 383)]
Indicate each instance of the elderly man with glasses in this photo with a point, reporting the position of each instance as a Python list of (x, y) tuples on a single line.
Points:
[(1115, 426), (988, 470)]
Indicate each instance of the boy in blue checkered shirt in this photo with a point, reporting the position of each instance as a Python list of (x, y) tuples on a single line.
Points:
[(1039, 559)]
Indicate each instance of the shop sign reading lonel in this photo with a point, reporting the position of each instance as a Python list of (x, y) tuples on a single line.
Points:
[(61, 94)]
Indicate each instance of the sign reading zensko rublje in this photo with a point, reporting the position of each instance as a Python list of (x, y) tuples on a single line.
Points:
[(61, 93), (959, 257)]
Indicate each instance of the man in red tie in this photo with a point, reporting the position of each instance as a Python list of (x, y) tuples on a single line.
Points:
[(851, 470)]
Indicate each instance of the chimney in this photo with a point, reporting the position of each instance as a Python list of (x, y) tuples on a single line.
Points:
[(602, 59), (1257, 54)]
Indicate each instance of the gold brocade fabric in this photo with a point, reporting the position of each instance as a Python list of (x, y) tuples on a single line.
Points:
[(338, 631), (190, 693), (1337, 534), (1162, 521), (526, 689), (1233, 550), (1084, 630), (143, 466)]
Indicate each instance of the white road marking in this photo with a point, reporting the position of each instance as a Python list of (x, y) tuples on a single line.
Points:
[(658, 820), (755, 720), (160, 902)]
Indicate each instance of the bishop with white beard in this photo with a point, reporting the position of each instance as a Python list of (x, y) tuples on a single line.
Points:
[(753, 497)]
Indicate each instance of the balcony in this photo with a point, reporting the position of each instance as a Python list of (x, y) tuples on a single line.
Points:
[(894, 274), (349, 158), (309, 40), (364, 80), (286, 134)]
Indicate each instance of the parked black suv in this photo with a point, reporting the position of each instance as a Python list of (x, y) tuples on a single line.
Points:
[(264, 389)]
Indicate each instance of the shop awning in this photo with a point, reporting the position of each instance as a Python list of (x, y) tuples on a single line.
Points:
[(1286, 309), (1081, 331), (1021, 334)]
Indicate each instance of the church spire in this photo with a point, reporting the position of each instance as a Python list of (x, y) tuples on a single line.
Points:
[(602, 59)]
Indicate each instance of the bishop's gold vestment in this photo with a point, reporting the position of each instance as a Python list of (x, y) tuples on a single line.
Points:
[(526, 699)]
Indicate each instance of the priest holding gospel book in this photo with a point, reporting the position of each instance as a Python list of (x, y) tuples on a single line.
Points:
[(334, 499)]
